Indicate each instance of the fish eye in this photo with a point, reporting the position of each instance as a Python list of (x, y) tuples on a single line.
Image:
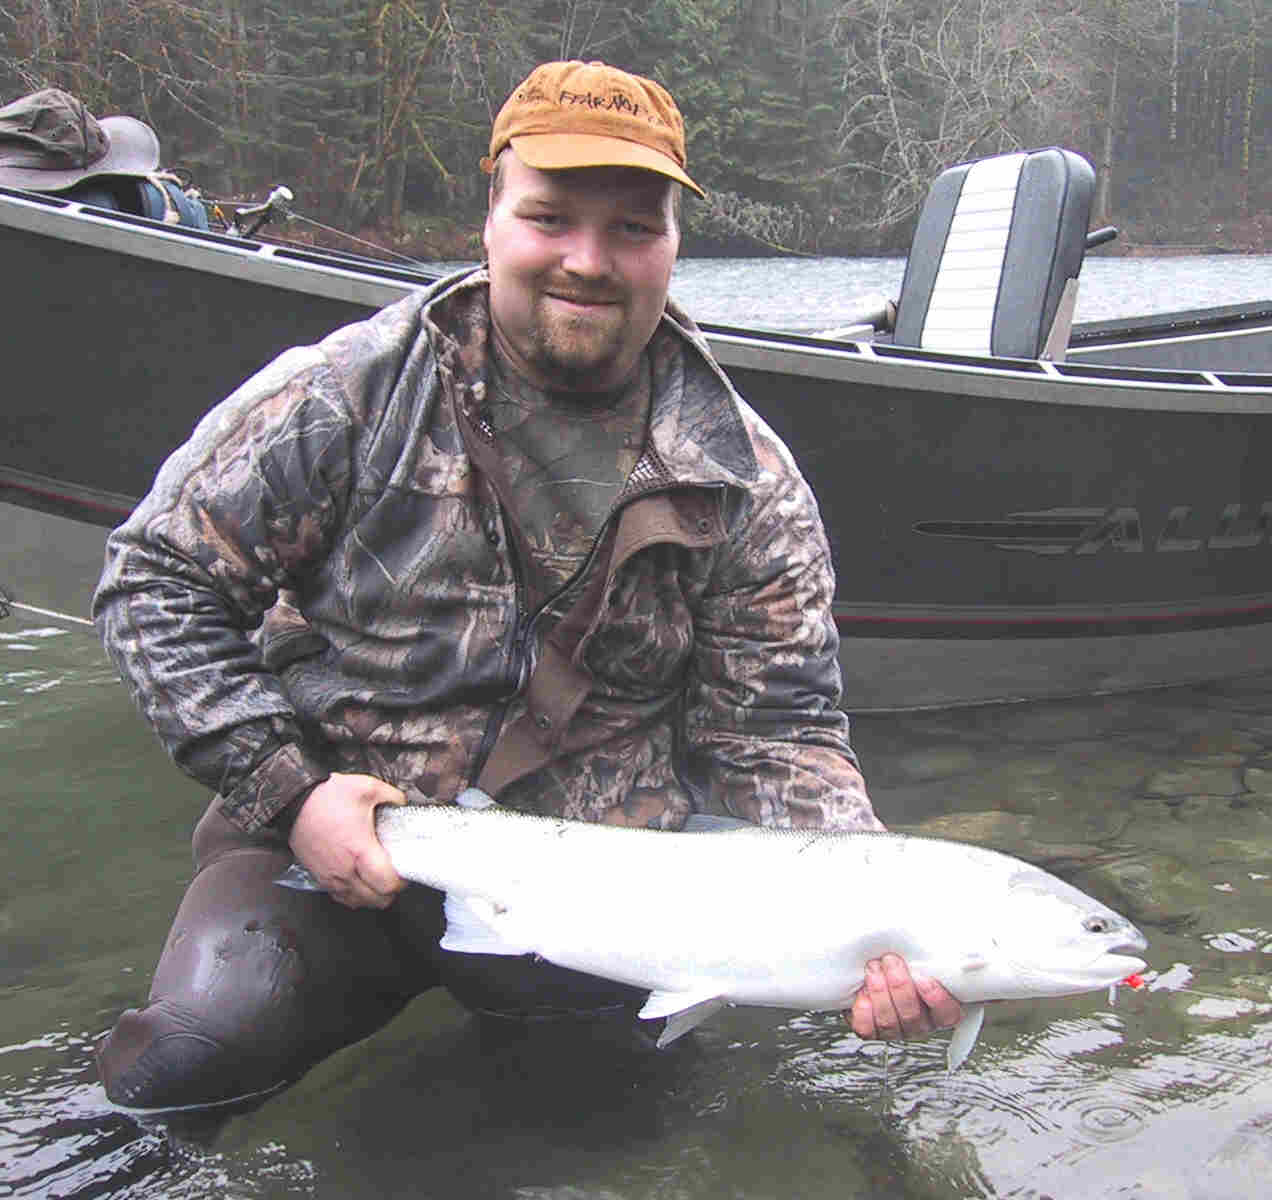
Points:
[(1096, 925)]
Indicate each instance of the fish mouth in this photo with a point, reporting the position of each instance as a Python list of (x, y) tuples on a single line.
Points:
[(1133, 943), (1127, 962), (1125, 958)]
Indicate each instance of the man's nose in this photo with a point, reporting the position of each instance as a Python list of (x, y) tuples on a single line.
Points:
[(588, 252)]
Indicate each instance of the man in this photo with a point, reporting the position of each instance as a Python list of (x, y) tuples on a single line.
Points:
[(516, 530)]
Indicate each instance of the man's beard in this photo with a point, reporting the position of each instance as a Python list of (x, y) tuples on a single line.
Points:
[(573, 354)]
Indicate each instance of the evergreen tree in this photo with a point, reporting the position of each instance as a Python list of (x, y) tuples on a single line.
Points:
[(815, 125)]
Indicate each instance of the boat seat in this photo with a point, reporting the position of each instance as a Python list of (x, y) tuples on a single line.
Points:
[(995, 258)]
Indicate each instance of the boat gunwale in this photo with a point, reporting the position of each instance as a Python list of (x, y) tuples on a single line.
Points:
[(1032, 381), (367, 283), (1152, 327), (373, 285)]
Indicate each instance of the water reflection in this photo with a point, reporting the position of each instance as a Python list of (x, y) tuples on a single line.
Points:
[(58, 1138), (1160, 804)]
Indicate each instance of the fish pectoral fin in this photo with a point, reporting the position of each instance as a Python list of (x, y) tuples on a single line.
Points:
[(965, 1034), (683, 1011), (299, 879), (471, 927)]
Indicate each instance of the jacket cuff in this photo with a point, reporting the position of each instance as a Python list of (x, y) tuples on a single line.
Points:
[(271, 789)]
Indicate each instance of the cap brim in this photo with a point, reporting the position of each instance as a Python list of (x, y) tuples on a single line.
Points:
[(567, 151), (133, 150)]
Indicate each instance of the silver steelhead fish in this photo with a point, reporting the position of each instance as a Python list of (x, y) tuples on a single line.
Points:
[(757, 916)]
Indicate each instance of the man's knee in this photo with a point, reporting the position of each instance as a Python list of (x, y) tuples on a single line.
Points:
[(255, 984), (240, 1015), (158, 1057)]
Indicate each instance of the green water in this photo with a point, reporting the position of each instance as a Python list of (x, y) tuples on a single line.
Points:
[(1160, 804)]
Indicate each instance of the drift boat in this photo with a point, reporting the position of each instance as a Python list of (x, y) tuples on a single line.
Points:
[(1017, 510)]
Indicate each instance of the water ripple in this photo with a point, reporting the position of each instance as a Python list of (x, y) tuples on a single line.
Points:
[(1104, 1121), (1241, 941), (17, 640), (59, 1137)]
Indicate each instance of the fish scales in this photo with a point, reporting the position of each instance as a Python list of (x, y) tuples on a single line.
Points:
[(757, 916)]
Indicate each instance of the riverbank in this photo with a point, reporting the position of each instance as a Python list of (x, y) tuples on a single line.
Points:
[(1243, 235)]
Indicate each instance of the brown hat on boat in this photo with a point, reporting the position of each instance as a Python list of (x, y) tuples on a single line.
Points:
[(577, 114), (50, 141)]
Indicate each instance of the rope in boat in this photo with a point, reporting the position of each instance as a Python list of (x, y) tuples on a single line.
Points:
[(278, 206), (406, 258)]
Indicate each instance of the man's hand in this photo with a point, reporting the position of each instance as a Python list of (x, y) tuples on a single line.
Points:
[(334, 837), (892, 1004)]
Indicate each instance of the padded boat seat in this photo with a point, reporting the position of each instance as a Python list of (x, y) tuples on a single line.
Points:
[(997, 241)]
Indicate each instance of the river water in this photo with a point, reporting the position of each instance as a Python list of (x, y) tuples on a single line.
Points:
[(805, 295), (1159, 803)]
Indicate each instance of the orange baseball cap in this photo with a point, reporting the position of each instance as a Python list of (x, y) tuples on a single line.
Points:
[(577, 114)]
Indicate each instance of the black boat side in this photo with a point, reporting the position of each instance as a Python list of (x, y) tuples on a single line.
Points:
[(1011, 529), (1002, 528)]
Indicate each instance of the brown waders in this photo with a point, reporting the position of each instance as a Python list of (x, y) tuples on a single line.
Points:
[(257, 983)]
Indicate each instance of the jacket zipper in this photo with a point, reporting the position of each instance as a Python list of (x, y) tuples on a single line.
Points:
[(518, 673), (515, 671), (519, 668)]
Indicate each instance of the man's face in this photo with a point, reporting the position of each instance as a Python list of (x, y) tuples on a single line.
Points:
[(580, 262)]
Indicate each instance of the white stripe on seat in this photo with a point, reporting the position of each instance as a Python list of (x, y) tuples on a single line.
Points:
[(960, 313)]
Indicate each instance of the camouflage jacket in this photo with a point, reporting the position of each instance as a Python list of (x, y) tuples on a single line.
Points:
[(324, 578)]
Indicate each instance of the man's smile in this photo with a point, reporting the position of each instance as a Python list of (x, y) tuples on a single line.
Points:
[(577, 300)]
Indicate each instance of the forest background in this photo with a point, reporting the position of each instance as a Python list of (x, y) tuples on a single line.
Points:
[(815, 125)]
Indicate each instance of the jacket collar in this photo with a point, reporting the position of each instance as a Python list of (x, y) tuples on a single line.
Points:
[(696, 426)]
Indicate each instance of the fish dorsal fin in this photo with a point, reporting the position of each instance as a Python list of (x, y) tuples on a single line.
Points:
[(472, 927), (714, 823), (475, 798), (683, 1011), (965, 1034)]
